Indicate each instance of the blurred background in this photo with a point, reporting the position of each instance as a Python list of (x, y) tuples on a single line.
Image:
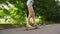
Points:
[(14, 12)]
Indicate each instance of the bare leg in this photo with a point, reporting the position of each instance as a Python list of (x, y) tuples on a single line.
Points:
[(33, 17), (33, 14), (28, 21), (29, 16)]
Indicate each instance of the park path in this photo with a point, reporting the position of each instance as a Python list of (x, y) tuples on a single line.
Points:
[(47, 29)]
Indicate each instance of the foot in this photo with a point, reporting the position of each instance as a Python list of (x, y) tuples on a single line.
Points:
[(36, 26), (29, 27)]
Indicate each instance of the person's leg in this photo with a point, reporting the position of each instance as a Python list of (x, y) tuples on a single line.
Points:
[(29, 16), (33, 17), (33, 14), (28, 21)]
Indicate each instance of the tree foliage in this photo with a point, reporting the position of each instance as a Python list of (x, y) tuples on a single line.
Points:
[(49, 9)]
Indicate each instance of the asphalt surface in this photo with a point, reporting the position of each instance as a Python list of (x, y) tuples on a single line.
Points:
[(47, 29)]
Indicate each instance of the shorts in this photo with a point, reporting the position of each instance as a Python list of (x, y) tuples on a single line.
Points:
[(30, 2)]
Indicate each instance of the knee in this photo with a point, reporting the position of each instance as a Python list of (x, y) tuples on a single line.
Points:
[(33, 14)]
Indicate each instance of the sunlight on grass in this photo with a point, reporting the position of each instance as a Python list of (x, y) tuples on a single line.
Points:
[(7, 20), (5, 6), (38, 20), (57, 0)]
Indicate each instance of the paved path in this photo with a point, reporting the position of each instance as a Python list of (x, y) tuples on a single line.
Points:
[(47, 29)]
